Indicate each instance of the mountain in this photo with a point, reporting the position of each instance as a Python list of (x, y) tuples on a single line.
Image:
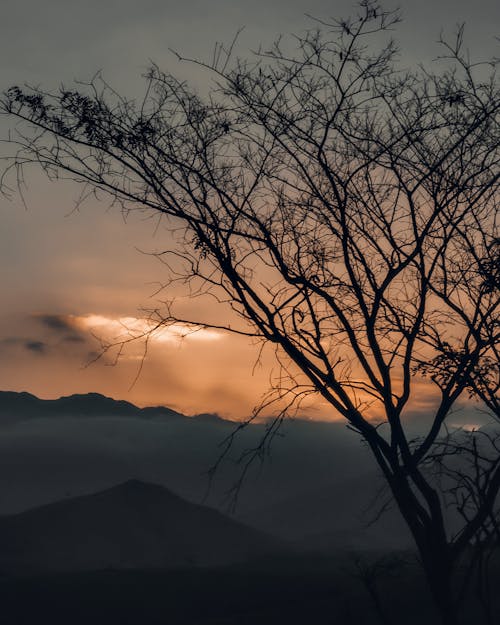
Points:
[(82, 444), (134, 525), (25, 405), (311, 489)]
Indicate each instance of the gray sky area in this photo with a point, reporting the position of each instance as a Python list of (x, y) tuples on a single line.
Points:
[(56, 40), (75, 266)]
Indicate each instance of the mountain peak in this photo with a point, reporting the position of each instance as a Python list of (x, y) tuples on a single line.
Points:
[(133, 525), (136, 485), (87, 397), (26, 405)]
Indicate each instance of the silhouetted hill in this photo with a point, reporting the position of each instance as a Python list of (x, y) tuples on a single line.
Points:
[(313, 489), (130, 526), (68, 452), (25, 405)]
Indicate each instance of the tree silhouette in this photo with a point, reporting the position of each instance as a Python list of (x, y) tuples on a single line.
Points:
[(341, 207)]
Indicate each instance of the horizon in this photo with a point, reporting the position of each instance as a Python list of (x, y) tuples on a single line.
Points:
[(465, 417)]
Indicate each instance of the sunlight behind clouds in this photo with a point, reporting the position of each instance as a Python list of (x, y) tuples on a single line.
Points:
[(126, 328)]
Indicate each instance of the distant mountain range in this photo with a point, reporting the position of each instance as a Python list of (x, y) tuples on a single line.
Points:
[(314, 488), (134, 525), (26, 405)]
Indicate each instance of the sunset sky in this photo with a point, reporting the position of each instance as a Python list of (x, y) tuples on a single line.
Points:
[(68, 276)]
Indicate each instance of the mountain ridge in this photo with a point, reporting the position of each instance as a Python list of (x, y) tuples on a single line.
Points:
[(131, 525), (26, 405)]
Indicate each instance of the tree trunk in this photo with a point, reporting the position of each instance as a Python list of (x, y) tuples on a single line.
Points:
[(438, 570), (433, 548)]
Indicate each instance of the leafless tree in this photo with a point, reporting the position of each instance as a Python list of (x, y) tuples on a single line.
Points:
[(341, 207), (370, 572), (463, 464)]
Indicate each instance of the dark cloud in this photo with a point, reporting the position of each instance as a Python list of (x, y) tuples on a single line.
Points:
[(64, 326), (37, 347), (58, 323), (32, 345), (43, 335)]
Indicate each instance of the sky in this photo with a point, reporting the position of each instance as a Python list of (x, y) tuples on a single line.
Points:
[(68, 276)]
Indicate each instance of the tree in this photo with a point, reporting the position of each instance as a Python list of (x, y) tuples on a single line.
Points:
[(463, 464), (341, 208)]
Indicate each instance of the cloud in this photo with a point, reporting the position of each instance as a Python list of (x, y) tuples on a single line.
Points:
[(66, 327), (38, 347), (44, 334), (126, 328), (32, 345), (56, 322)]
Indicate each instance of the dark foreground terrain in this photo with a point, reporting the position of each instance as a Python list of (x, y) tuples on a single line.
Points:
[(292, 593), (101, 524), (296, 590)]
